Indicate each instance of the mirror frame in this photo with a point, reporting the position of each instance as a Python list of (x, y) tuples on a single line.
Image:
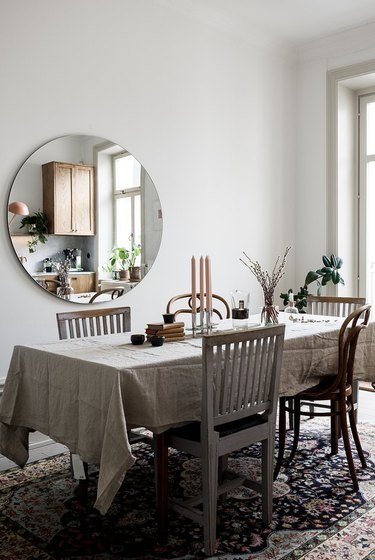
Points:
[(100, 150)]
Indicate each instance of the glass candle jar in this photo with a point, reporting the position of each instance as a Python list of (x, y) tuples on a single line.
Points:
[(240, 309)]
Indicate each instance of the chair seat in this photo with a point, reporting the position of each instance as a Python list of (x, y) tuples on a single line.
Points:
[(192, 431), (323, 391)]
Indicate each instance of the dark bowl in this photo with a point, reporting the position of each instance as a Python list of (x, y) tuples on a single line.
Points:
[(168, 318), (137, 338), (157, 340)]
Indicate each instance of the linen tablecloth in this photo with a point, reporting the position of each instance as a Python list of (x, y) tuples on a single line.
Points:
[(86, 393)]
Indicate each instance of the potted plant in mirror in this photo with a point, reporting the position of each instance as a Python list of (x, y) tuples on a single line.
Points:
[(120, 260), (135, 271), (38, 227)]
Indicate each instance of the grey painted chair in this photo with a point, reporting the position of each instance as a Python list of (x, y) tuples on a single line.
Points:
[(333, 306), (93, 322), (240, 382)]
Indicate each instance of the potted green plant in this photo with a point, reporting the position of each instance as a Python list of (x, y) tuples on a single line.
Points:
[(135, 271), (120, 260), (38, 227), (328, 273)]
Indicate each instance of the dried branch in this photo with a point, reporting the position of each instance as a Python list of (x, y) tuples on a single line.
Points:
[(267, 282)]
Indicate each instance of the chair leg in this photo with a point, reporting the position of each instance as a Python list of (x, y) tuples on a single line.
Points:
[(357, 441), (209, 492), (297, 423), (161, 481), (282, 434), (348, 451), (355, 395), (335, 427), (267, 479)]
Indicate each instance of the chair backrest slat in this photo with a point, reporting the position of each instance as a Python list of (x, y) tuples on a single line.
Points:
[(333, 305), (93, 322), (241, 372)]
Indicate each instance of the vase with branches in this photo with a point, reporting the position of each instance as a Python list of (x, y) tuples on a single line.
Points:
[(268, 284)]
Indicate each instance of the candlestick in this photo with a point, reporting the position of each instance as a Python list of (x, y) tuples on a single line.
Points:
[(201, 288), (193, 287), (208, 285)]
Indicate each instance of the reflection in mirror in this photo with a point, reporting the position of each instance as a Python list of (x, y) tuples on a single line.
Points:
[(103, 215)]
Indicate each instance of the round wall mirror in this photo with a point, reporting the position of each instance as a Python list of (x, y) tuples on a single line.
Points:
[(85, 219)]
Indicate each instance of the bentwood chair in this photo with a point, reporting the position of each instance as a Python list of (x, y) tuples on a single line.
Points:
[(339, 307), (240, 381), (221, 307), (114, 293), (93, 322), (337, 389)]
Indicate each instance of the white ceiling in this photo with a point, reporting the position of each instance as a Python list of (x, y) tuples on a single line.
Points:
[(294, 22)]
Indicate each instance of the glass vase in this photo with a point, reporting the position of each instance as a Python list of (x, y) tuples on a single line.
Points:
[(65, 292), (269, 315)]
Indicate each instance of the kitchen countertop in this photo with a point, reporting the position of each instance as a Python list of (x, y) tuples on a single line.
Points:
[(56, 273)]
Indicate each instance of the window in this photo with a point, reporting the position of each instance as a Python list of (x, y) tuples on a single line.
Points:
[(367, 194), (127, 178)]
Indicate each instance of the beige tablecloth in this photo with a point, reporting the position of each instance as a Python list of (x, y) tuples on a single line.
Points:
[(86, 393)]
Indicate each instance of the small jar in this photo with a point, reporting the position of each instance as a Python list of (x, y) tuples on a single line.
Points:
[(240, 309), (47, 265)]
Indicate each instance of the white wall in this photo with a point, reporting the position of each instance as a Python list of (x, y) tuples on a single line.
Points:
[(211, 119), (312, 186)]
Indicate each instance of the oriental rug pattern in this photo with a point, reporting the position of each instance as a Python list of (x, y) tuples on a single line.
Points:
[(317, 516)]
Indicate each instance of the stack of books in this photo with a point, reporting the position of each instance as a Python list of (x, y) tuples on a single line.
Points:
[(172, 332)]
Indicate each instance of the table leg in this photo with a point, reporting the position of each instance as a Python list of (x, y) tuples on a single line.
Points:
[(161, 481)]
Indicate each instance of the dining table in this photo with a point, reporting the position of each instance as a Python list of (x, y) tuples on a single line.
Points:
[(87, 393)]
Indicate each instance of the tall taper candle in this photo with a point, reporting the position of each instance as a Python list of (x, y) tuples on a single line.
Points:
[(208, 285), (193, 286), (201, 288)]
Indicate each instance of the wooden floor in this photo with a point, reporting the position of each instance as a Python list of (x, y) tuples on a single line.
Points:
[(41, 447)]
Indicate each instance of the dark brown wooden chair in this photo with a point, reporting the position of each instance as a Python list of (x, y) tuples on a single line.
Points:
[(337, 389), (51, 285), (221, 309), (338, 306), (114, 292)]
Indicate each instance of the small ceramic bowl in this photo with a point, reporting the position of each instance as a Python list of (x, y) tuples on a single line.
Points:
[(157, 340), (137, 338), (168, 318)]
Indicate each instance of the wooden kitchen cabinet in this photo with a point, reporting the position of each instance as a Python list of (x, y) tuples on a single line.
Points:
[(82, 282), (69, 198)]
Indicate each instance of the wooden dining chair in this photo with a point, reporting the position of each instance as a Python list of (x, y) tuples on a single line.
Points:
[(337, 389), (93, 322), (336, 306), (114, 292), (240, 381), (221, 309), (333, 305), (86, 323)]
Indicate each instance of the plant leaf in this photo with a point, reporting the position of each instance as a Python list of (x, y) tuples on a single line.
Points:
[(326, 261), (311, 276)]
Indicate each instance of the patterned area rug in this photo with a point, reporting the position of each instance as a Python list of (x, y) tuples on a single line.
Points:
[(316, 514)]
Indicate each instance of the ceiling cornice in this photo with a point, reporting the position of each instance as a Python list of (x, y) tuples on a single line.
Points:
[(248, 37)]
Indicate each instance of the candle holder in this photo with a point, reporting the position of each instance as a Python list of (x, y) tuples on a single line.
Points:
[(209, 321), (194, 323)]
